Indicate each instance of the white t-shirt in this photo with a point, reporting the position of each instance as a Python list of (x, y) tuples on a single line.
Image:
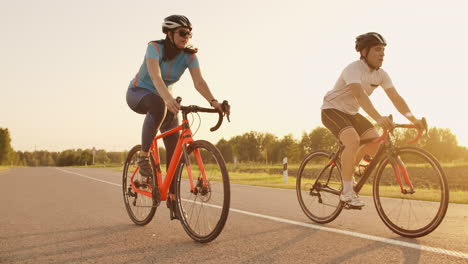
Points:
[(341, 97)]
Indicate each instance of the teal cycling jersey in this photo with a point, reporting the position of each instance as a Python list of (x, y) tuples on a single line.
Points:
[(171, 70)]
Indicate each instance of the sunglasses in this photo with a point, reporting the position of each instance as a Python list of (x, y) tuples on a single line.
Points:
[(185, 33)]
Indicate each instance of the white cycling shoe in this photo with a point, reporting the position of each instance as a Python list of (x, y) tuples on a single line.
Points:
[(352, 199)]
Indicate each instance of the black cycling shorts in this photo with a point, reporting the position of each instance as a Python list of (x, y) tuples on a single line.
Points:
[(337, 121)]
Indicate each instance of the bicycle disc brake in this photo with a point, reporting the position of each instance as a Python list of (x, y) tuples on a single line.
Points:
[(203, 190)]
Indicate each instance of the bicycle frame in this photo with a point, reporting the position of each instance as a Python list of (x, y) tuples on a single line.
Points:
[(180, 149), (387, 149)]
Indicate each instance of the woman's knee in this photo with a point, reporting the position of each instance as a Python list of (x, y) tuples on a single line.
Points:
[(155, 106)]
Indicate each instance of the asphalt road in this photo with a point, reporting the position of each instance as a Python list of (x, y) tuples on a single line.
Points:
[(77, 215)]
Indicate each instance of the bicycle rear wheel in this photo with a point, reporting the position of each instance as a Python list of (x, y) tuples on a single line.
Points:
[(140, 208), (203, 211), (411, 212), (318, 187)]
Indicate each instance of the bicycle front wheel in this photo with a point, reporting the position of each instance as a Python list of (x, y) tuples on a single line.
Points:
[(140, 208), (203, 200), (412, 203), (318, 187)]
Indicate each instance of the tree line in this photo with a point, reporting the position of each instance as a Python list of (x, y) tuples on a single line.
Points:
[(249, 147), (266, 147)]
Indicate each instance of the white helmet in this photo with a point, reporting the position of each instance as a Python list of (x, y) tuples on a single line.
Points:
[(175, 21)]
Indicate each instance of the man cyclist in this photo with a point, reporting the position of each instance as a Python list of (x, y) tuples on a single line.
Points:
[(351, 92)]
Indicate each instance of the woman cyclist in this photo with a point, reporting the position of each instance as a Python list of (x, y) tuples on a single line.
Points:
[(149, 92), (341, 105)]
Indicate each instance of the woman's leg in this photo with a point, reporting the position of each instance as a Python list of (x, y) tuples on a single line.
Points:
[(170, 143), (155, 109)]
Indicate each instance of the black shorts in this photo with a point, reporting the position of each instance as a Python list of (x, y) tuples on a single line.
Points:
[(337, 121)]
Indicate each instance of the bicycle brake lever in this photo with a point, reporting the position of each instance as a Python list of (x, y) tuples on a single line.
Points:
[(424, 121), (392, 129), (227, 109)]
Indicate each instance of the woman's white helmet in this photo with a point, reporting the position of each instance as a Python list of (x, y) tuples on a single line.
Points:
[(175, 21)]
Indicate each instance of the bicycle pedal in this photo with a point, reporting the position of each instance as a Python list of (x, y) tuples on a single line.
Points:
[(351, 207)]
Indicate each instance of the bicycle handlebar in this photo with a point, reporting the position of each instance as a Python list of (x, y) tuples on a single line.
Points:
[(195, 108), (420, 130)]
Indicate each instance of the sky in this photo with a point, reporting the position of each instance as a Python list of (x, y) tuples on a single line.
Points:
[(65, 65)]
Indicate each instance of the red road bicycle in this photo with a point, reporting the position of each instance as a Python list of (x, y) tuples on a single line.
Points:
[(202, 189), (410, 189)]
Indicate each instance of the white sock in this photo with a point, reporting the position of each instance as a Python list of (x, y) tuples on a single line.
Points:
[(347, 187)]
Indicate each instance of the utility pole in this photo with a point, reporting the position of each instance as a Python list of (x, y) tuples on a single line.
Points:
[(94, 153), (285, 170)]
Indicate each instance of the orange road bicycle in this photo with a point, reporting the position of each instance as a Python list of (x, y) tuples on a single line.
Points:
[(202, 189), (410, 189)]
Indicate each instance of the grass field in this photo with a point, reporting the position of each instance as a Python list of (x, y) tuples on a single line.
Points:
[(4, 168), (272, 177)]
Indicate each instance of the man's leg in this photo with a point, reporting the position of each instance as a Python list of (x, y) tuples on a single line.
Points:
[(350, 139), (370, 148)]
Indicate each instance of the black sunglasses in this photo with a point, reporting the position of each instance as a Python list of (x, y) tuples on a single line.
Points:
[(185, 33)]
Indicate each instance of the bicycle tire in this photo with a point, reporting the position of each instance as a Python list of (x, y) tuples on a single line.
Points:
[(142, 213), (190, 205), (318, 187), (430, 197)]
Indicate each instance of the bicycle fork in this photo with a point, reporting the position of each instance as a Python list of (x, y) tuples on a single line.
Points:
[(202, 183), (401, 174)]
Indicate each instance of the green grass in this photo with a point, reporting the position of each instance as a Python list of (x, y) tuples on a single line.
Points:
[(276, 181), (4, 168), (454, 164)]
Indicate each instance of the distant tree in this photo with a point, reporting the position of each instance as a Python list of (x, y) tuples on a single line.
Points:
[(266, 142), (116, 157), (6, 152), (246, 147), (101, 157), (403, 136), (86, 157), (43, 158), (286, 147), (226, 150), (442, 143), (319, 138), (68, 158), (293, 151), (463, 153), (31, 159)]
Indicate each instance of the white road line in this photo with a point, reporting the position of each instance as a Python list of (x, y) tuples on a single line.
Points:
[(91, 178), (322, 228)]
